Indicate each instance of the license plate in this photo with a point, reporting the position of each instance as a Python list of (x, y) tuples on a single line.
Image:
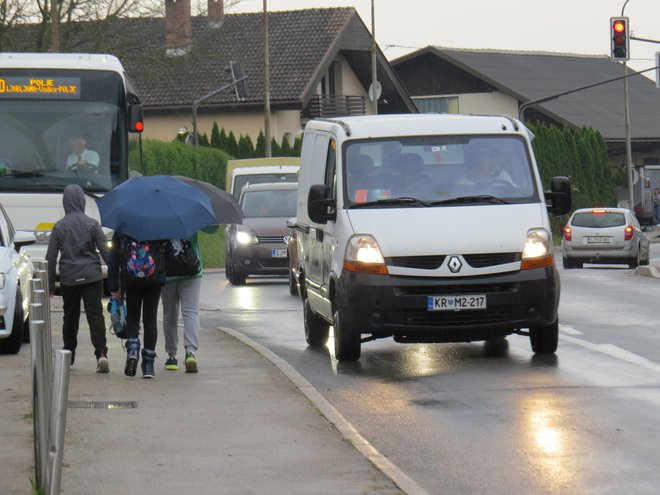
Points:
[(599, 240), (456, 303), (278, 253)]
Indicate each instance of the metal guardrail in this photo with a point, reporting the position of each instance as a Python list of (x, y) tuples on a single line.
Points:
[(49, 390)]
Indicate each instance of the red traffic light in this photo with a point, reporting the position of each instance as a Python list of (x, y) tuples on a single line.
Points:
[(620, 39)]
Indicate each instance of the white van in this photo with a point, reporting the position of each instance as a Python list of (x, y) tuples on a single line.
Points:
[(425, 228)]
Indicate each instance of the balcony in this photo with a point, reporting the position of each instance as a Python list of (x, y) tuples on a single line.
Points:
[(324, 106)]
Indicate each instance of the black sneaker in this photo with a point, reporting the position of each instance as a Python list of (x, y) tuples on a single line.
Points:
[(191, 362), (131, 365), (102, 364), (172, 363)]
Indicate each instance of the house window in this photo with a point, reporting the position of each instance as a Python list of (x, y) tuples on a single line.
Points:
[(436, 104)]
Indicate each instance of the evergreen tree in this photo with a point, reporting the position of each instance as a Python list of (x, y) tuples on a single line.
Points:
[(215, 136), (231, 145), (297, 146), (274, 148), (245, 147), (204, 140), (222, 141), (260, 150), (285, 147)]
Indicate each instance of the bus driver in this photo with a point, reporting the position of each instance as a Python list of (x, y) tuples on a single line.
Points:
[(80, 156)]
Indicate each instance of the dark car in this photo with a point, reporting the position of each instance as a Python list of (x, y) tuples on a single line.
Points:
[(258, 246)]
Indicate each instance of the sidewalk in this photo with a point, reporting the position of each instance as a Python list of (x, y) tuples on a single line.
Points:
[(239, 426)]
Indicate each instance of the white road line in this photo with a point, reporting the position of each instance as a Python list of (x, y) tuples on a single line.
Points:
[(398, 477), (615, 352), (569, 330)]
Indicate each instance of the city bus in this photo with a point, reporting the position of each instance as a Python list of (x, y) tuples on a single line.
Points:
[(51, 103)]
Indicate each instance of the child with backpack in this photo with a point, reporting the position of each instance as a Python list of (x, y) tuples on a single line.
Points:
[(136, 270)]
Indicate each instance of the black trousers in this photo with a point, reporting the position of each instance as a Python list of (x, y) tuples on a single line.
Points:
[(142, 301), (91, 295)]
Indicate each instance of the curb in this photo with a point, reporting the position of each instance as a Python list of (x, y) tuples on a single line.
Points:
[(398, 477)]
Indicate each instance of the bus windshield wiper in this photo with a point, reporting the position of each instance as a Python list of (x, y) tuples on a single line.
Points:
[(404, 200), (471, 199)]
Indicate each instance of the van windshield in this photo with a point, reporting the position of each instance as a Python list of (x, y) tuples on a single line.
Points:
[(433, 169)]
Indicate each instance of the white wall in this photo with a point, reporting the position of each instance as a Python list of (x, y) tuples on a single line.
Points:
[(494, 103)]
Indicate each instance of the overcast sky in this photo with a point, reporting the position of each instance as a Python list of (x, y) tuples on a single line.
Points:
[(565, 26)]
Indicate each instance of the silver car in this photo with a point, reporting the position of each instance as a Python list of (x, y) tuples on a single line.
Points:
[(16, 271), (604, 236)]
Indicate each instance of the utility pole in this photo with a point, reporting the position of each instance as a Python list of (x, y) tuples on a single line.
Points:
[(374, 80), (267, 137), (54, 27)]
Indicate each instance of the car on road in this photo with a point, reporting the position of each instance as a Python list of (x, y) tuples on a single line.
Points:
[(604, 236), (15, 296), (258, 245)]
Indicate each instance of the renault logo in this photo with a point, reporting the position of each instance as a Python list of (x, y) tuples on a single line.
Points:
[(454, 264)]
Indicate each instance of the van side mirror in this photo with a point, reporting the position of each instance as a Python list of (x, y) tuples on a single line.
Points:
[(135, 122), (319, 208), (559, 197)]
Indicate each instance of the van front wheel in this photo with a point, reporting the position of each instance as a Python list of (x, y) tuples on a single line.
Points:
[(544, 338), (347, 340)]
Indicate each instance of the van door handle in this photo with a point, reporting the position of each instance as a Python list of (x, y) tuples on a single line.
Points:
[(319, 235)]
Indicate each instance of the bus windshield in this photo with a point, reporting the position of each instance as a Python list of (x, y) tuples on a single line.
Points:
[(61, 127)]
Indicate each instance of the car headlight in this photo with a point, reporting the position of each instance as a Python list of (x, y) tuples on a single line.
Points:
[(537, 252), (246, 238), (363, 255)]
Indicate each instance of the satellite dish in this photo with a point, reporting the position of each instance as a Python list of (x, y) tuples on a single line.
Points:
[(379, 91)]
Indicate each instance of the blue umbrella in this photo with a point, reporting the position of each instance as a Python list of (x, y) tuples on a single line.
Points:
[(156, 207)]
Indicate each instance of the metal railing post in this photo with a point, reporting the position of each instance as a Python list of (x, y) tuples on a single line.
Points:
[(40, 394), (57, 424)]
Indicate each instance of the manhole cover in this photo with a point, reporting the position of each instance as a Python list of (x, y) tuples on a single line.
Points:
[(102, 404)]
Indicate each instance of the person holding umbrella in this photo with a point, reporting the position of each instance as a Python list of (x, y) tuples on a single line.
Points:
[(135, 269), (145, 212)]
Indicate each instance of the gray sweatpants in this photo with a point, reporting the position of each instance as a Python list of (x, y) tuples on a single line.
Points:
[(183, 295)]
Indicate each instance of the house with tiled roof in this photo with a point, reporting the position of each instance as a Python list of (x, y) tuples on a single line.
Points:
[(319, 60), (501, 82)]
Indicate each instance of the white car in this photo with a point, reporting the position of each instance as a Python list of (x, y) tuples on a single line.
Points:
[(15, 275), (604, 236)]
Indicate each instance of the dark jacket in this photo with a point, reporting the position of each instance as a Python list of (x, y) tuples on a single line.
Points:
[(79, 242)]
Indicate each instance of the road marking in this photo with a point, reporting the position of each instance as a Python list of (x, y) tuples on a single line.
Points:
[(615, 352), (569, 330), (398, 477)]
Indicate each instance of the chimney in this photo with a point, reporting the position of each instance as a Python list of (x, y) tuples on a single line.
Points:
[(178, 27), (216, 12)]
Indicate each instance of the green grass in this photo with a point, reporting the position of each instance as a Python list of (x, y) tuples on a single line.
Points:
[(213, 248)]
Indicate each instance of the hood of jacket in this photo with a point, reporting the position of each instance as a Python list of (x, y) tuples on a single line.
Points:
[(73, 199)]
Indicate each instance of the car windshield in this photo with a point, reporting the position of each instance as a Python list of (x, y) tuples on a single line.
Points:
[(598, 220), (436, 170), (269, 203)]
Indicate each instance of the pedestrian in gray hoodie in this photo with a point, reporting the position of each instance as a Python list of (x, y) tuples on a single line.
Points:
[(79, 242)]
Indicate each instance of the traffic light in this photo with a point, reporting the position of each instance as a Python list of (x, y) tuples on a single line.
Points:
[(620, 35)]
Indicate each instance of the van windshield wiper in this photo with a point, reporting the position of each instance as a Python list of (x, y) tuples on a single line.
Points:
[(404, 200), (471, 199)]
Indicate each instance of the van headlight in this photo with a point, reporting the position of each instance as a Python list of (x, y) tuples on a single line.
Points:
[(363, 255), (537, 252), (246, 238)]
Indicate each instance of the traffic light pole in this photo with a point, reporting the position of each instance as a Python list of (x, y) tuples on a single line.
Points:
[(629, 164)]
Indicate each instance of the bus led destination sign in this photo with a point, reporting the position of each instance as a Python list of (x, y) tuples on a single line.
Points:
[(39, 87)]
